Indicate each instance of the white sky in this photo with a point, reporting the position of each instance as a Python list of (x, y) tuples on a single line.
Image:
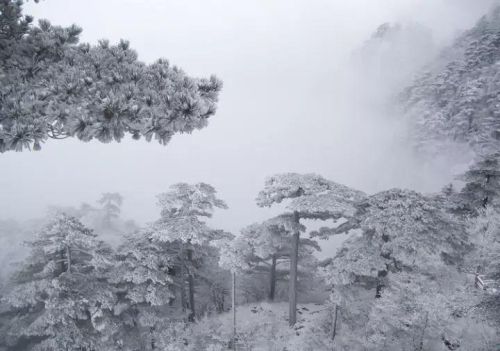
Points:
[(279, 109)]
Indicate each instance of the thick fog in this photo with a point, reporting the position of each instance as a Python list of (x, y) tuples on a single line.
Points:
[(302, 93)]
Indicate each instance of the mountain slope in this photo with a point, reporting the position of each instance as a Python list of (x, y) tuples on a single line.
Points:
[(458, 98)]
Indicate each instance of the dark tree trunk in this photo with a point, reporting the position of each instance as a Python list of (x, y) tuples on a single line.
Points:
[(182, 280), (335, 318), (233, 297), (153, 340), (272, 278), (485, 201), (378, 290), (191, 285), (421, 344), (294, 257), (68, 258), (380, 283), (62, 259)]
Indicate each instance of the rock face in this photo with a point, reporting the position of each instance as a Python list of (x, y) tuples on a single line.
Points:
[(457, 99)]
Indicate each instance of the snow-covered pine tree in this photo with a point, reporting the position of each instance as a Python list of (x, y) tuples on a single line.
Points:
[(180, 224), (270, 247), (142, 280), (484, 232), (480, 196), (484, 259), (406, 257), (53, 87), (482, 184), (111, 203), (61, 298), (310, 197), (103, 219)]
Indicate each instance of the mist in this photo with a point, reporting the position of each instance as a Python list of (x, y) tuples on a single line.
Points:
[(294, 100)]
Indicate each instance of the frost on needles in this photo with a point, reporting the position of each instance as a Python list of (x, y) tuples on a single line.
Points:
[(53, 87)]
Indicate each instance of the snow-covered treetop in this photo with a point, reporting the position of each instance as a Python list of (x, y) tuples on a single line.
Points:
[(259, 242), (64, 234), (189, 200), (311, 195), (290, 185), (50, 87), (111, 204), (181, 208), (411, 226), (70, 227), (358, 257), (185, 229), (107, 198), (235, 255), (401, 229), (283, 225), (324, 206), (482, 183), (396, 214), (141, 271), (271, 236)]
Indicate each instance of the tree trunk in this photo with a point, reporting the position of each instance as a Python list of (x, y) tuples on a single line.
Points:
[(223, 301), (421, 344), (294, 257), (191, 285), (272, 278), (68, 258), (380, 283), (153, 340), (234, 310), (62, 262), (334, 332), (182, 281)]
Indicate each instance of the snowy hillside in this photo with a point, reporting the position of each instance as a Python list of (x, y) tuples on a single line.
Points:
[(458, 98)]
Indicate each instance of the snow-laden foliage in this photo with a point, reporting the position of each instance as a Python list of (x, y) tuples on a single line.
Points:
[(181, 209), (141, 279), (484, 259), (141, 272), (53, 87), (103, 219), (261, 257), (60, 298), (409, 253), (426, 310), (405, 228), (181, 229), (261, 326), (482, 184), (457, 99), (236, 254), (271, 237), (311, 195), (484, 233)]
